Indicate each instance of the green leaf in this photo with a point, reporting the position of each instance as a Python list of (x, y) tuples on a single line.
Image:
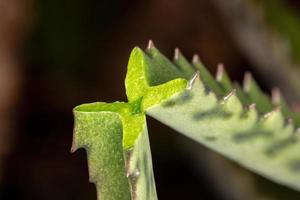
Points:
[(254, 94), (115, 134), (266, 143), (223, 79), (100, 133), (186, 69), (262, 144), (116, 139), (206, 77), (118, 173)]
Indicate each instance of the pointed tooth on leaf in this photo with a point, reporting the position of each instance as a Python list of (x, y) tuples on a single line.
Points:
[(276, 96), (278, 100), (247, 81), (256, 95), (197, 85), (223, 79), (150, 44), (185, 67), (269, 114), (196, 59), (192, 80), (233, 92), (177, 54), (207, 79), (274, 120), (197, 64), (159, 68), (220, 72), (232, 102)]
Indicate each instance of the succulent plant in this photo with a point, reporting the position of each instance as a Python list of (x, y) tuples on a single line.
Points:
[(239, 122)]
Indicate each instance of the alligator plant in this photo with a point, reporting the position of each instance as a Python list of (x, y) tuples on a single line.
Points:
[(239, 122)]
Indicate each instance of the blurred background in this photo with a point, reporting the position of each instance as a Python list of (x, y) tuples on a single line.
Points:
[(56, 54)]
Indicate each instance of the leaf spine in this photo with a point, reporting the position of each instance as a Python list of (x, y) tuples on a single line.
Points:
[(269, 114), (177, 54), (192, 80), (220, 72), (196, 59), (150, 44), (276, 95), (247, 81), (230, 94)]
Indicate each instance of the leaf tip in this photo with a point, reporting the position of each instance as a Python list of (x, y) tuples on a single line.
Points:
[(177, 54), (230, 94), (150, 44), (196, 59), (247, 81), (220, 71), (276, 95), (192, 80), (269, 114)]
